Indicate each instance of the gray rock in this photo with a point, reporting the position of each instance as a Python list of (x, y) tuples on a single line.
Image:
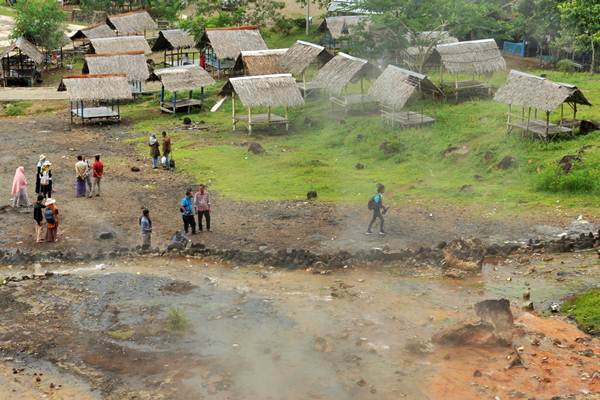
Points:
[(106, 235)]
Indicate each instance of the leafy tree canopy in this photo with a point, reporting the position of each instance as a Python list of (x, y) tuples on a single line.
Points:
[(40, 22)]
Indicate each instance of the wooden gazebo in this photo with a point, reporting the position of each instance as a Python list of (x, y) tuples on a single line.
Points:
[(298, 59), (279, 90), (175, 44), (22, 63), (260, 62), (133, 64), (82, 37), (183, 78), (472, 59), (119, 44), (336, 76), (530, 92), (222, 46), (337, 32), (96, 97), (394, 87)]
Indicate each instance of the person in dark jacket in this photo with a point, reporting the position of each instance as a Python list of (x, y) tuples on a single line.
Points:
[(187, 212), (376, 204), (38, 218), (166, 149)]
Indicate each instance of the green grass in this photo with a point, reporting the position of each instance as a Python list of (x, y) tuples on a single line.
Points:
[(176, 321), (7, 11), (323, 156), (15, 108), (585, 309)]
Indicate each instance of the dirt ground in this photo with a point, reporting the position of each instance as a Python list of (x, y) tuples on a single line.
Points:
[(316, 226)]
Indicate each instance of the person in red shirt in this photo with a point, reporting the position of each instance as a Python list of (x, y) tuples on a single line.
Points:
[(97, 173)]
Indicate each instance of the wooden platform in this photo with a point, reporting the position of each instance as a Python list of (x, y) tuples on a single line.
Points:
[(539, 128), (350, 101), (406, 119), (91, 113), (258, 119), (168, 106)]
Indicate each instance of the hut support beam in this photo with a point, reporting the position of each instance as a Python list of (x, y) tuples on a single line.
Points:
[(249, 120), (547, 124), (508, 118), (528, 120), (233, 109), (287, 121)]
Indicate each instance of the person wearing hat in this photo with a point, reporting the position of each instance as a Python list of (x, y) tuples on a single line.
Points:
[(97, 173), (51, 215), (38, 176), (46, 179)]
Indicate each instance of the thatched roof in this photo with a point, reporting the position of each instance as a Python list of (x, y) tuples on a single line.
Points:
[(261, 62), (527, 90), (267, 90), (395, 86), (96, 87), (132, 23), (476, 56), (97, 31), (339, 72), (344, 25), (229, 42), (301, 55), (174, 39), (185, 77), (26, 48), (436, 37), (120, 44), (133, 64)]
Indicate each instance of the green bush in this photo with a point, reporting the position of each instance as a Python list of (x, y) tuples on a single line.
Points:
[(17, 108), (581, 179), (176, 321), (585, 309), (566, 66)]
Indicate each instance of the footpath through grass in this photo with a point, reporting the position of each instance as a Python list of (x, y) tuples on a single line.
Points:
[(323, 148)]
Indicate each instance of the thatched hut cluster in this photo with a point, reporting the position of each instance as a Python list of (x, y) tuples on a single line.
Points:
[(133, 64), (222, 46), (21, 63), (393, 88), (96, 97), (260, 62), (278, 90), (132, 23), (298, 58), (119, 44), (177, 45), (83, 36), (535, 93), (182, 78)]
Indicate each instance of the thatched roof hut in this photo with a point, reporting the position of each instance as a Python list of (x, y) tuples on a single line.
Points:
[(396, 85), (97, 31), (267, 90), (185, 77), (120, 44), (260, 62), (301, 55), (132, 23), (339, 72), (339, 27), (96, 87), (25, 47), (227, 43), (174, 39), (133, 64), (527, 90), (472, 57)]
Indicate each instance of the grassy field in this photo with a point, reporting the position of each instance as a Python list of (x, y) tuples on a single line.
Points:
[(585, 309), (322, 149)]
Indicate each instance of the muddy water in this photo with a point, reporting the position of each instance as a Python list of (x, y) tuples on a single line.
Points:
[(185, 329)]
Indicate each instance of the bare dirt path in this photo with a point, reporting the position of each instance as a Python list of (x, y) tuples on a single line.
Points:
[(316, 226)]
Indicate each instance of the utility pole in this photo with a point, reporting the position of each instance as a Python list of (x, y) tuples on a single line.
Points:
[(307, 17)]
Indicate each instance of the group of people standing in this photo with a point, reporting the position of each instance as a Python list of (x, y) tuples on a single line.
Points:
[(88, 177), (166, 160)]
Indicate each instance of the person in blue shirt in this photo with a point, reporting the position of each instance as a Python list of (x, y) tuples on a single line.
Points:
[(376, 204), (187, 212)]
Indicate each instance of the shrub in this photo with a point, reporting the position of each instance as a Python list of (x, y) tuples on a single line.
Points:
[(585, 308), (176, 321), (581, 179), (566, 66), (16, 108)]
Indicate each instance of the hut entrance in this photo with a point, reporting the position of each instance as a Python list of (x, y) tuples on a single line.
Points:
[(21, 63), (182, 79)]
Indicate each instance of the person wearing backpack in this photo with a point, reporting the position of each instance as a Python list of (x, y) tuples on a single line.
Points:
[(46, 179), (376, 205), (51, 216), (187, 212), (38, 218)]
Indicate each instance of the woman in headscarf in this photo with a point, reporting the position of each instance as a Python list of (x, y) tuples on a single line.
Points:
[(154, 150), (46, 179), (19, 189), (38, 175)]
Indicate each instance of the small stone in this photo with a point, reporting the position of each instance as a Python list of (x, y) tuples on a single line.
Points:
[(477, 373), (135, 169)]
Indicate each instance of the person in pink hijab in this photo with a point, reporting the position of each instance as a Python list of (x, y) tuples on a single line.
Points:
[(19, 189)]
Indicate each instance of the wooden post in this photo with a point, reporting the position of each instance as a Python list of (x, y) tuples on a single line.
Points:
[(528, 119), (304, 83), (547, 123), (249, 120), (508, 118), (287, 121), (71, 111), (233, 109), (574, 111), (174, 102), (562, 113), (118, 110), (190, 104), (165, 57), (269, 115)]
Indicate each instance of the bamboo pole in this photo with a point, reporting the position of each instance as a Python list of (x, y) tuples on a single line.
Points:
[(528, 119), (249, 120), (233, 109), (287, 121)]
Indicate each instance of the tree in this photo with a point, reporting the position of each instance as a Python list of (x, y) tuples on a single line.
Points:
[(165, 9), (40, 22), (581, 18)]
